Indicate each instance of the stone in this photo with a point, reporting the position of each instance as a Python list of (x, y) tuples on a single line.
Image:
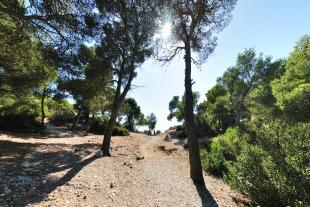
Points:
[(112, 184), (139, 157), (99, 153), (167, 138)]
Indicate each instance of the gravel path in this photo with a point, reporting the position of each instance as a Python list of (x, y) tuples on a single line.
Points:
[(143, 171)]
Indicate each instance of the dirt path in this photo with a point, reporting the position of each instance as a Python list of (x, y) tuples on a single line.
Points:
[(143, 171), (165, 173), (165, 178)]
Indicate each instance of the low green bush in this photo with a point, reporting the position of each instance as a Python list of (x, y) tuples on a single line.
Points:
[(223, 150), (275, 171), (22, 122), (98, 125), (180, 128), (205, 143), (120, 131), (52, 106), (62, 117), (182, 134)]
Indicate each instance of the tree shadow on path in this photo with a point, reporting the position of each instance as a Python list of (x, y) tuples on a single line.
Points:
[(77, 167), (26, 169), (207, 199)]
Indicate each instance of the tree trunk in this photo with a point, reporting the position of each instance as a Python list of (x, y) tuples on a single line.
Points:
[(86, 114), (77, 118), (105, 147), (238, 116), (130, 123), (194, 154), (42, 108), (118, 101), (220, 124)]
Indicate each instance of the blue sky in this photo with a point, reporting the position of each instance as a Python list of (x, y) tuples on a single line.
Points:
[(270, 26)]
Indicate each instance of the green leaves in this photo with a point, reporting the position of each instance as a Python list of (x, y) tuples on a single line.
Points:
[(225, 149), (151, 121), (292, 90), (274, 171), (177, 107), (272, 166), (132, 112)]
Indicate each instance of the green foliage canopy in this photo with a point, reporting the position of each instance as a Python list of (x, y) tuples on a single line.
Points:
[(292, 90)]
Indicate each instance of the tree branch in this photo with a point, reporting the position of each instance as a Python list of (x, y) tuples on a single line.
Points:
[(170, 57)]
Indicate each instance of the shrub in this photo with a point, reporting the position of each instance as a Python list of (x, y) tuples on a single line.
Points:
[(62, 117), (120, 131), (275, 171), (19, 113), (205, 143), (99, 124), (223, 150), (182, 134), (52, 106), (23, 122), (204, 153), (180, 128)]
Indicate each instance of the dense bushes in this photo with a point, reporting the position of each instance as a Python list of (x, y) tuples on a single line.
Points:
[(120, 131), (23, 122), (223, 150), (271, 166), (56, 106), (62, 117), (98, 125), (275, 171), (267, 157), (18, 114), (292, 89)]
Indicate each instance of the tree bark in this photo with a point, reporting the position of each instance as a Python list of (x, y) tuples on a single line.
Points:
[(86, 114), (77, 118), (118, 101), (220, 124), (194, 154), (238, 117), (105, 147), (130, 123), (42, 108)]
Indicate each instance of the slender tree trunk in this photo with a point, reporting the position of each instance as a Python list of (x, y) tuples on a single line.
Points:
[(105, 147), (130, 123), (92, 119), (237, 118), (42, 108), (221, 123), (118, 101), (238, 115), (77, 118), (219, 115), (86, 116), (194, 154)]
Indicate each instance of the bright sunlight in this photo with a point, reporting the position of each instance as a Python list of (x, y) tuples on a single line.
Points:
[(165, 30)]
